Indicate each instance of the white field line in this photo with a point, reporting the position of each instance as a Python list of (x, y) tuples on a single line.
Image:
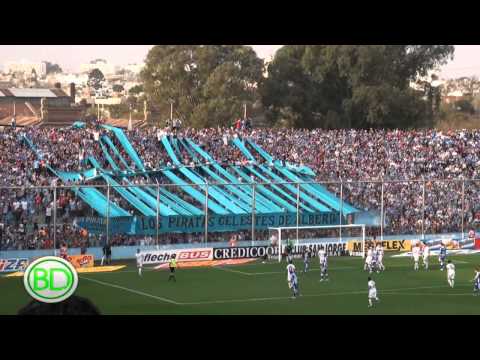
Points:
[(133, 291), (358, 292), (428, 294), (225, 268)]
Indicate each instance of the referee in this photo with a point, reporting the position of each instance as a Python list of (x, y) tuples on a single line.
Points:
[(172, 264)]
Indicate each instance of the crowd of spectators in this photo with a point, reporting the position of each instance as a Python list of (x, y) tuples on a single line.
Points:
[(409, 163)]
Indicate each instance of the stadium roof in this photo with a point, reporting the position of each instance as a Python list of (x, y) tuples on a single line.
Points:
[(32, 93)]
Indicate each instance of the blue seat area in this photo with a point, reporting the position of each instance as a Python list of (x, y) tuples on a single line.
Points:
[(134, 201), (193, 192), (230, 189), (126, 146), (116, 152), (262, 189), (306, 198)]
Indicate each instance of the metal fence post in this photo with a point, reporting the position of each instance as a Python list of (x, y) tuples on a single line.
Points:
[(55, 220), (253, 213), (463, 209), (423, 209), (206, 213), (158, 213), (108, 214), (341, 208), (298, 208), (382, 217)]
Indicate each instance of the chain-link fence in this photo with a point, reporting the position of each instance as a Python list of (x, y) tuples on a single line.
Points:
[(85, 216)]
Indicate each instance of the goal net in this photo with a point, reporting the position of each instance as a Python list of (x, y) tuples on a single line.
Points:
[(334, 239)]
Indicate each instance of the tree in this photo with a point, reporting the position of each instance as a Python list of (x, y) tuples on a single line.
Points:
[(465, 106), (359, 86), (208, 83), (117, 88), (95, 79), (136, 90), (53, 68)]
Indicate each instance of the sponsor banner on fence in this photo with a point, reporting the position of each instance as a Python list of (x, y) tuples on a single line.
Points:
[(81, 261), (11, 265), (182, 255), (388, 245), (332, 249)]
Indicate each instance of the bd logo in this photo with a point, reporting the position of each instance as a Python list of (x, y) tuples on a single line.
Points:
[(50, 279)]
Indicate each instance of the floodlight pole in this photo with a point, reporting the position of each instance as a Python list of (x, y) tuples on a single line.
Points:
[(206, 213), (381, 211), (341, 208), (463, 209), (423, 210), (108, 213), (158, 212), (298, 208), (253, 213), (55, 220)]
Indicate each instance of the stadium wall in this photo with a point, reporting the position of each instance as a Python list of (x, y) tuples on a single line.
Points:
[(128, 252)]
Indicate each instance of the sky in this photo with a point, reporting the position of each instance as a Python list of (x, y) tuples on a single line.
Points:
[(69, 57)]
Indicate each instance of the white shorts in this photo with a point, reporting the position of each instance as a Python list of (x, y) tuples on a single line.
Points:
[(372, 293), (368, 260), (425, 259), (380, 259), (139, 265), (451, 276), (416, 258)]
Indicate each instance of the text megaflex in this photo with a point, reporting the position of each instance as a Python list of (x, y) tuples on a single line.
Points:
[(388, 245)]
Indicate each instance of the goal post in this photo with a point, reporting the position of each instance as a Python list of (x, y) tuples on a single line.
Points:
[(282, 235)]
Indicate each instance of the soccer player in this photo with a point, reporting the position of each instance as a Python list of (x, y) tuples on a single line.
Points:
[(476, 282), (323, 258), (380, 252), (426, 254), (443, 256), (368, 260), (372, 292), (306, 260), (451, 274), (292, 279), (172, 264), (374, 265), (139, 262), (416, 256)]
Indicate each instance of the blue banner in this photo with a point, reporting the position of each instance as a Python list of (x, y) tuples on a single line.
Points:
[(146, 225)]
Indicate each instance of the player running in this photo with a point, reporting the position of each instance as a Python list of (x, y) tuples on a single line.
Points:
[(172, 265), (476, 282), (416, 256), (380, 252), (372, 292), (442, 256), (292, 279), (323, 259), (426, 254), (451, 274), (306, 260), (139, 262)]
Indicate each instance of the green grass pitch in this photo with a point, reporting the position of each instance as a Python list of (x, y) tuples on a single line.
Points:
[(258, 288)]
